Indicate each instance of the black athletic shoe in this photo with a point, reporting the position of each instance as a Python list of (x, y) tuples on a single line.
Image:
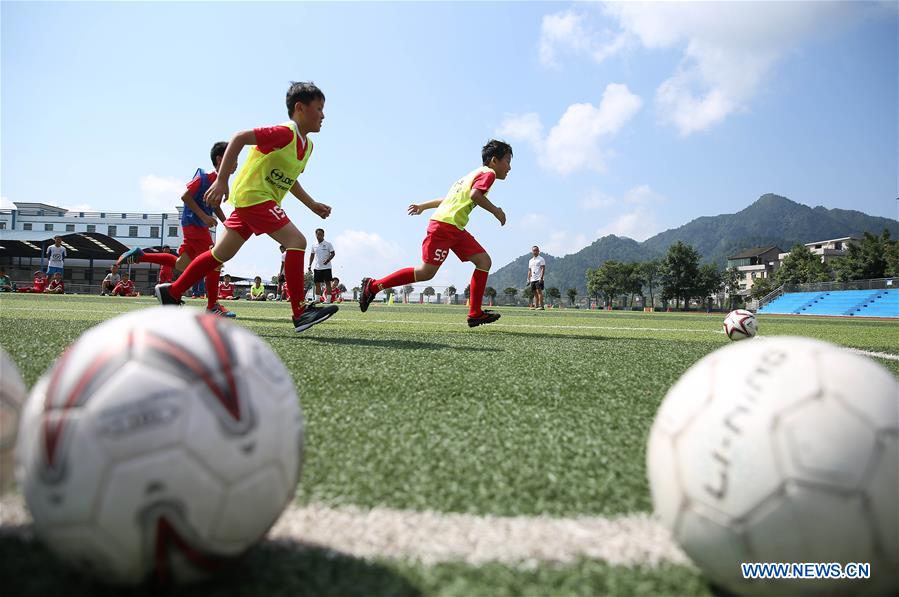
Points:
[(485, 317), (130, 256), (313, 315), (165, 297), (366, 296)]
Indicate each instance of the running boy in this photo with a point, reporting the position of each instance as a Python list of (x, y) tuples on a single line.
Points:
[(280, 155), (446, 232), (196, 220)]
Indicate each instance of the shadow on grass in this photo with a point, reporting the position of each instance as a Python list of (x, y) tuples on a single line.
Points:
[(272, 568)]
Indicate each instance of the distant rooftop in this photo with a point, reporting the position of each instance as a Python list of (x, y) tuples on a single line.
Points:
[(754, 252)]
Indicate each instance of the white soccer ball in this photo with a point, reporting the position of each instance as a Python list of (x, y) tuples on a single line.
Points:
[(271, 296), (12, 397), (740, 324), (161, 443), (781, 450)]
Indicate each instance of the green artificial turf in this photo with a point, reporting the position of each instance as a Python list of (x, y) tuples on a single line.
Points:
[(406, 407)]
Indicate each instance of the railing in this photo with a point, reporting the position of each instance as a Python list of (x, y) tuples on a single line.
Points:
[(875, 284), (777, 292)]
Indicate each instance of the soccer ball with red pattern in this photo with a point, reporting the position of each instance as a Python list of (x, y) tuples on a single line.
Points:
[(781, 450), (740, 324), (161, 444), (12, 397)]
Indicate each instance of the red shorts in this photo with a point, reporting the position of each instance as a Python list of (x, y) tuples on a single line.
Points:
[(262, 218), (197, 241), (443, 238)]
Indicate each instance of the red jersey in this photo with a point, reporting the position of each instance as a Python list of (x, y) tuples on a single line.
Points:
[(165, 274), (226, 291), (124, 287), (56, 285), (335, 295), (40, 282)]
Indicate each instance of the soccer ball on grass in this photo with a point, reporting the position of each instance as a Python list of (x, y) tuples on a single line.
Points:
[(160, 444), (740, 324), (781, 450)]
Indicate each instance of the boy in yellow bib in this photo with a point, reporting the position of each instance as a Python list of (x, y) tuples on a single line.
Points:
[(279, 156), (446, 232)]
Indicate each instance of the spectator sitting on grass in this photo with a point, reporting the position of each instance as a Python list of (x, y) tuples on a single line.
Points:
[(226, 288), (5, 282), (125, 287), (257, 290), (56, 285), (40, 282), (110, 281)]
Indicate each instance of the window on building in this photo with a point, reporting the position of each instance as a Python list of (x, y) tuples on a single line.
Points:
[(154, 231), (2, 225), (132, 231), (26, 226), (838, 246), (753, 275), (91, 227), (124, 216), (173, 231), (111, 231), (48, 227), (70, 227)]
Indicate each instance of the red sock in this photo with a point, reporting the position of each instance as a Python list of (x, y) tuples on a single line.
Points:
[(478, 285), (293, 275), (400, 277), (197, 269), (159, 259), (212, 288)]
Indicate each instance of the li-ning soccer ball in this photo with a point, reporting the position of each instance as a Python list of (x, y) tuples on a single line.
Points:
[(740, 324), (160, 444), (781, 450), (12, 397)]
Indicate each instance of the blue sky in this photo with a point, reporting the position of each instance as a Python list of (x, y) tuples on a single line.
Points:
[(625, 119)]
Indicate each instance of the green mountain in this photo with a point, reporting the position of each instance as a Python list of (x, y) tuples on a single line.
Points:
[(771, 220)]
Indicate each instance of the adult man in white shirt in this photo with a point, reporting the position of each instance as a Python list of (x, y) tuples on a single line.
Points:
[(57, 257), (110, 281), (536, 270), (322, 253)]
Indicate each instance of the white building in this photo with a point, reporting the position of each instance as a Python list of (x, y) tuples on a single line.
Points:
[(828, 249), (36, 223)]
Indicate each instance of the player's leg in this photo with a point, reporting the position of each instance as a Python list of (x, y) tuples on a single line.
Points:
[(469, 249), (227, 245), (294, 242), (538, 293)]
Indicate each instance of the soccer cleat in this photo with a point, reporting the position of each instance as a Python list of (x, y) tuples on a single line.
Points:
[(485, 317), (366, 296), (130, 256), (165, 297), (311, 316), (218, 309)]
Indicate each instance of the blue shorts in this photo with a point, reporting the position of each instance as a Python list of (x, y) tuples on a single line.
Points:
[(53, 270)]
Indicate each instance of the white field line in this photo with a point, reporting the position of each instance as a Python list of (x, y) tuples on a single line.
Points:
[(432, 537), (879, 355)]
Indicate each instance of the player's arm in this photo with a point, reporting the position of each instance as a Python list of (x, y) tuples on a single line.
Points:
[(330, 257), (219, 189), (311, 259), (220, 214), (542, 271), (188, 199), (481, 200), (319, 209), (417, 208)]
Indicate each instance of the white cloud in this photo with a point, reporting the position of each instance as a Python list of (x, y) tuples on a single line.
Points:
[(638, 224), (562, 242), (574, 142), (729, 48), (567, 32), (532, 221), (161, 193), (523, 127), (639, 195)]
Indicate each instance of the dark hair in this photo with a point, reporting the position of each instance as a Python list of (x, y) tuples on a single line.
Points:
[(218, 150), (495, 149), (535, 247), (304, 92), (317, 230), (165, 248)]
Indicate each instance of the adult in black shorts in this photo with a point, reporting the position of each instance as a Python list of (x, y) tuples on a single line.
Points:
[(536, 271), (321, 254)]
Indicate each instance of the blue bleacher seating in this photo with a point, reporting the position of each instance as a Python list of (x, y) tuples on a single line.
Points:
[(861, 303)]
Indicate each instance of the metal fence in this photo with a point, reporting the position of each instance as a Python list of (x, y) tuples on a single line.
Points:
[(875, 284)]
